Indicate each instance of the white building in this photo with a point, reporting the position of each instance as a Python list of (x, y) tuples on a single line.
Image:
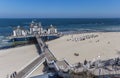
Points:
[(52, 30), (19, 32), (36, 28)]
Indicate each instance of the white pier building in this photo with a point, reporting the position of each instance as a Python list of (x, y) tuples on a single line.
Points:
[(34, 29)]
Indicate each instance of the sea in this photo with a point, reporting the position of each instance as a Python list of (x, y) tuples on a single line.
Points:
[(64, 25)]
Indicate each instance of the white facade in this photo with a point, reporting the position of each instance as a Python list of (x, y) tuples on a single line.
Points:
[(35, 28), (19, 32), (24, 33), (52, 30), (14, 33)]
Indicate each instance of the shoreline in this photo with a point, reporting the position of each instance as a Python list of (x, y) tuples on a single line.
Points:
[(77, 32), (73, 33)]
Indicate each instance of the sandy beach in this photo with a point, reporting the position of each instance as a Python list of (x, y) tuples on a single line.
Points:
[(106, 45), (15, 59)]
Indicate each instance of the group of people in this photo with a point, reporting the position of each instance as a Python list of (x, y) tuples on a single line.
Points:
[(82, 38), (114, 64)]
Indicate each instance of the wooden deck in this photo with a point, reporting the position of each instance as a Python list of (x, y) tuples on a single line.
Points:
[(45, 55), (23, 73)]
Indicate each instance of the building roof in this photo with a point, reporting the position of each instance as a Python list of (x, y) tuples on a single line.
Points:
[(19, 27), (51, 27)]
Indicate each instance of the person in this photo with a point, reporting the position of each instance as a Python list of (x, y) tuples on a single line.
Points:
[(15, 73), (11, 76), (85, 62)]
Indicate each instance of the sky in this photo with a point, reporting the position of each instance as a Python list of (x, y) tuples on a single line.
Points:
[(59, 8)]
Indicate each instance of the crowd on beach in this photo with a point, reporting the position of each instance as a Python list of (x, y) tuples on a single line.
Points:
[(109, 65), (82, 38), (94, 69)]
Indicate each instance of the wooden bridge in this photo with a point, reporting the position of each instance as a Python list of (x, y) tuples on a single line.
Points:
[(45, 55), (23, 73)]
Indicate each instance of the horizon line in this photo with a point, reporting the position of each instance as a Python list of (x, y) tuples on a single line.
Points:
[(60, 18)]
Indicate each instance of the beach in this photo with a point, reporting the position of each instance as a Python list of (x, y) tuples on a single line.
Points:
[(15, 59), (86, 46), (73, 48)]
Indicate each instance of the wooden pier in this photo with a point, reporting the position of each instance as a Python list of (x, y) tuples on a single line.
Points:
[(23, 73), (44, 49), (46, 54)]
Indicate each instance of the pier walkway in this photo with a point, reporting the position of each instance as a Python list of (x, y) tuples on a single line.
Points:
[(44, 48), (23, 73), (45, 54), (41, 35)]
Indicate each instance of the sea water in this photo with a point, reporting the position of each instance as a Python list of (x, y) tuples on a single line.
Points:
[(63, 25)]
